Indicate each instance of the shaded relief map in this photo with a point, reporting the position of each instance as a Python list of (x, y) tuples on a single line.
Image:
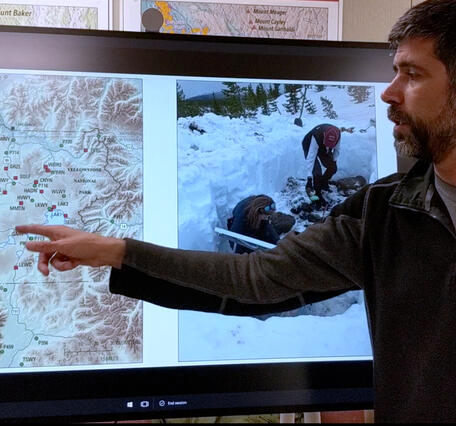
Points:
[(242, 20), (49, 16), (71, 152)]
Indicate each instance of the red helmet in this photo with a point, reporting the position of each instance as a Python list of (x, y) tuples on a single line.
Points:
[(331, 137)]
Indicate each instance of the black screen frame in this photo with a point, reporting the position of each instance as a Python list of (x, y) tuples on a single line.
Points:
[(221, 389)]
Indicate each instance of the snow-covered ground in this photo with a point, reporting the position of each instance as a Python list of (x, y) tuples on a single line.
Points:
[(238, 157)]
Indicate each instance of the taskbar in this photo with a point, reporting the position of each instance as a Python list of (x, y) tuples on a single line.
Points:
[(161, 406)]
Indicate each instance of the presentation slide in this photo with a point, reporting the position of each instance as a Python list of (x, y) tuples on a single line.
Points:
[(84, 14), (165, 159), (315, 20)]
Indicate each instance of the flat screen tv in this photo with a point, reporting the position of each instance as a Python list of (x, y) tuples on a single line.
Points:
[(158, 137)]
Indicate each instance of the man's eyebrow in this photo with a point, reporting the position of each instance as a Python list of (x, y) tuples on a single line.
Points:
[(407, 64)]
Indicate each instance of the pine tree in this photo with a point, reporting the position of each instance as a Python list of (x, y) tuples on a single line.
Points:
[(273, 91), (359, 94), (181, 107), (276, 90), (262, 99), (180, 93), (272, 94), (265, 109), (328, 108), (186, 107), (216, 107), (250, 101), (233, 100), (310, 106), (273, 106), (292, 96)]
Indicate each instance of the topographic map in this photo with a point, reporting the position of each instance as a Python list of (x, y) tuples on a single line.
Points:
[(49, 16), (71, 148), (241, 20)]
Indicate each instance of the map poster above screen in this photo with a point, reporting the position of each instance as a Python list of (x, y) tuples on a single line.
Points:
[(82, 14), (312, 20)]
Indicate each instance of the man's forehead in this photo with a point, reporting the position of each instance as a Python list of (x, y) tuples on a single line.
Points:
[(418, 51)]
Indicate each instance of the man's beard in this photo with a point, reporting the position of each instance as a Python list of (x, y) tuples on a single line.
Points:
[(426, 140)]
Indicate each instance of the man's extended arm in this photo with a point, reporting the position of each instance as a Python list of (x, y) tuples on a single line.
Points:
[(303, 267)]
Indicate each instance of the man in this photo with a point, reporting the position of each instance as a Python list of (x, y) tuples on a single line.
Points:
[(252, 217), (395, 239), (321, 148)]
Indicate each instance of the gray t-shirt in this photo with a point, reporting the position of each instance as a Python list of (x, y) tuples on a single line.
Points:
[(448, 194)]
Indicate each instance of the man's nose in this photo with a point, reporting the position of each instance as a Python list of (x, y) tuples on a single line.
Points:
[(393, 93)]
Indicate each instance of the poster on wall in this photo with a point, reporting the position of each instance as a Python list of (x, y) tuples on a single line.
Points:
[(85, 14), (295, 19)]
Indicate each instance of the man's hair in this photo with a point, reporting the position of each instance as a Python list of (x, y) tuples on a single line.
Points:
[(434, 20), (255, 208)]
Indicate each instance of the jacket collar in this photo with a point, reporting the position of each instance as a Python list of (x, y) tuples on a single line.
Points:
[(416, 188)]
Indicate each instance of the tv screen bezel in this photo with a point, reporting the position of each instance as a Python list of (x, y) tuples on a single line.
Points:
[(346, 384)]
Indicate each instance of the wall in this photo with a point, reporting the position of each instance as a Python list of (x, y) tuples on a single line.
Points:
[(371, 20)]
